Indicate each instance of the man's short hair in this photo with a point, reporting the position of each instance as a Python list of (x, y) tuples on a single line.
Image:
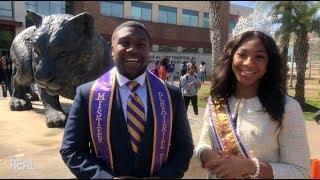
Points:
[(133, 24)]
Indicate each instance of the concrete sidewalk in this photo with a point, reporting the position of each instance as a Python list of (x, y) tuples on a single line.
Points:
[(28, 149)]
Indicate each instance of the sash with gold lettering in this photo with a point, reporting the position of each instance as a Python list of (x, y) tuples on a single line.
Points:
[(100, 104), (224, 128)]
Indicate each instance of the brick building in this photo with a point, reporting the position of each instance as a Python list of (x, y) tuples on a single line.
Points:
[(178, 29)]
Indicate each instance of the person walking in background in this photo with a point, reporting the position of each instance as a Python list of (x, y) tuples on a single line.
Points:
[(189, 64), (202, 69), (183, 68), (156, 68), (163, 69), (193, 63), (170, 70), (5, 75), (190, 85)]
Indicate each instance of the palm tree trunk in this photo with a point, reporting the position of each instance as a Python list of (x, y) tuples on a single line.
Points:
[(301, 57), (285, 39), (284, 46), (215, 36)]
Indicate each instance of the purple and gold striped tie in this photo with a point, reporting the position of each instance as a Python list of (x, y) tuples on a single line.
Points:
[(135, 116)]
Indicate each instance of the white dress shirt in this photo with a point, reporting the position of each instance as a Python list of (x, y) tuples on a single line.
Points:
[(125, 91)]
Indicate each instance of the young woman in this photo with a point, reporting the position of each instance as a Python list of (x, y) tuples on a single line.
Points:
[(251, 128), (162, 69)]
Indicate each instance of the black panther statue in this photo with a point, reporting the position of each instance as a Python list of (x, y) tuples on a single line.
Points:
[(59, 53)]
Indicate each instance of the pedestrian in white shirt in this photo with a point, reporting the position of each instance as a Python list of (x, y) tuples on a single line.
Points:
[(190, 85)]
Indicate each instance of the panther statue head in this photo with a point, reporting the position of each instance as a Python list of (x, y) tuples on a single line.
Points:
[(66, 52)]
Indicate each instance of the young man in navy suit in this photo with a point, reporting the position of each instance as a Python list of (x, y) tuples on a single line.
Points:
[(128, 123)]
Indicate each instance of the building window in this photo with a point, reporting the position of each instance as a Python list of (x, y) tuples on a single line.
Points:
[(167, 15), (46, 7), (167, 48), (112, 8), (6, 8), (190, 50), (141, 10), (206, 22), (207, 50), (232, 25), (190, 18)]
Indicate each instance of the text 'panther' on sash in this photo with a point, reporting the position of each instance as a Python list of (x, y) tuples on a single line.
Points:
[(100, 104), (163, 117), (224, 129)]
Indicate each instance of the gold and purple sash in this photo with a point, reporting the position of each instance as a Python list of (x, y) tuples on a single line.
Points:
[(100, 104), (224, 128)]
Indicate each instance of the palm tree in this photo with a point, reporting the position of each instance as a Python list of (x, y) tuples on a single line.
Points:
[(306, 22), (299, 18), (215, 36), (281, 13)]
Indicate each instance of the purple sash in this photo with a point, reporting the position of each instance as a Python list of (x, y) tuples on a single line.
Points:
[(162, 116), (224, 129), (100, 105)]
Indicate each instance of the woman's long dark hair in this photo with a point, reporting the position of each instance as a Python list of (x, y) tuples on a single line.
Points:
[(271, 91)]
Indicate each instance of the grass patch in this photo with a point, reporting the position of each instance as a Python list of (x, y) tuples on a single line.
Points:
[(312, 99), (312, 106), (203, 92)]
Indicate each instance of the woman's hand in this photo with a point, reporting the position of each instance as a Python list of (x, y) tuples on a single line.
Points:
[(230, 166), (208, 155)]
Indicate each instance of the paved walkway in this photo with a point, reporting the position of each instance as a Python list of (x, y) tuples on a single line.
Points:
[(28, 149)]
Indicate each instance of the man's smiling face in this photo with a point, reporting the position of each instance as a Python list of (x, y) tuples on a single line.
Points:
[(130, 51)]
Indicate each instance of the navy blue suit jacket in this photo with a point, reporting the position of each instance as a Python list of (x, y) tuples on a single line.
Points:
[(78, 153)]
